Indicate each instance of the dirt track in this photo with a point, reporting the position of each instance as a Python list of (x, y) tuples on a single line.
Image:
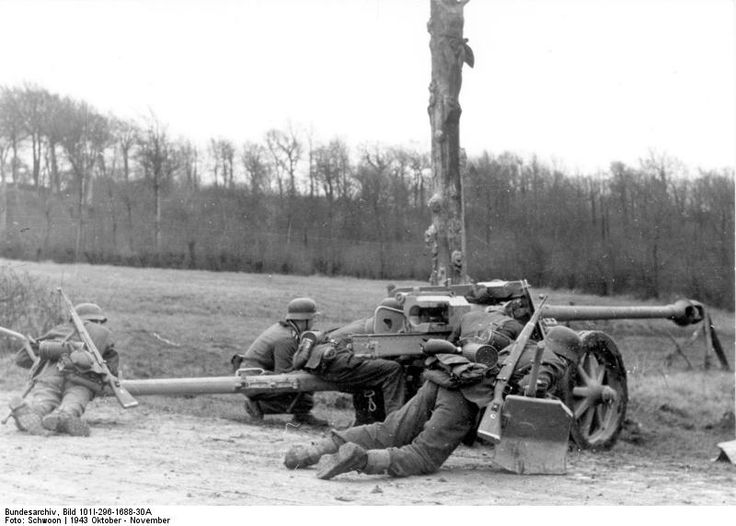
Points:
[(145, 457)]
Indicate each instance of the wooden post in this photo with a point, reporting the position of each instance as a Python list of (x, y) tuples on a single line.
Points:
[(449, 50)]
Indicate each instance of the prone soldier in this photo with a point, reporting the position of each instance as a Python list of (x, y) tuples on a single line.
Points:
[(66, 378), (419, 437)]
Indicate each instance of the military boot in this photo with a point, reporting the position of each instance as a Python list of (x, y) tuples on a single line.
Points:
[(350, 457), (299, 457), (63, 422), (253, 409), (26, 419)]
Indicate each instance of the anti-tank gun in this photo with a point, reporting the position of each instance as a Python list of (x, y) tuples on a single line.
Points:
[(595, 391)]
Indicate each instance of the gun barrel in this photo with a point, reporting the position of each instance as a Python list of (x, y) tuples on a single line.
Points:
[(183, 386), (247, 384), (682, 312)]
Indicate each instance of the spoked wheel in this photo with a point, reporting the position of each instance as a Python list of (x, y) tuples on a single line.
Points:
[(596, 392)]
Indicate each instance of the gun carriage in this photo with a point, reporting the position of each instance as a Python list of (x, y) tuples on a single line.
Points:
[(595, 390)]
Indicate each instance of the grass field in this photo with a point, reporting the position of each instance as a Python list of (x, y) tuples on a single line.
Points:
[(174, 323)]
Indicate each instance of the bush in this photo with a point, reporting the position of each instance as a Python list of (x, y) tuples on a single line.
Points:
[(27, 305)]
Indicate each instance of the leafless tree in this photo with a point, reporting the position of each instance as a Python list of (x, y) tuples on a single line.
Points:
[(85, 135), (11, 125), (156, 153), (286, 151), (256, 166)]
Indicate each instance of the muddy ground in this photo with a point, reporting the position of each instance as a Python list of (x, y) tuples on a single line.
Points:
[(145, 456)]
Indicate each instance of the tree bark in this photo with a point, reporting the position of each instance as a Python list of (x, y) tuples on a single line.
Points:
[(449, 50)]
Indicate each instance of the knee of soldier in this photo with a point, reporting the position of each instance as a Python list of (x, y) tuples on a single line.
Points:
[(394, 368)]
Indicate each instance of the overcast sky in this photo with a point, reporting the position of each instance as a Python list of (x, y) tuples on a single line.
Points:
[(580, 82)]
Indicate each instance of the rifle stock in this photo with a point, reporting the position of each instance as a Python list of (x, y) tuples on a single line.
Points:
[(490, 425), (125, 399), (34, 368)]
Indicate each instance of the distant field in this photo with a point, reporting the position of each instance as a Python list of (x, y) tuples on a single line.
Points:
[(171, 323)]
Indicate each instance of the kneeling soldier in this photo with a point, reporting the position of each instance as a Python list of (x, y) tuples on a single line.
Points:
[(66, 380)]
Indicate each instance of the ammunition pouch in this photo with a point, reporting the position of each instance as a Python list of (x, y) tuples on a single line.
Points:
[(455, 370)]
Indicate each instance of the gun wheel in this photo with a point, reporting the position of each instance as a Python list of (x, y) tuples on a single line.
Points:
[(596, 393)]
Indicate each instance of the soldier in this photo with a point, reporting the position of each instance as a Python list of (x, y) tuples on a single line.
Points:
[(65, 382), (273, 351), (370, 404), (420, 436), (333, 360)]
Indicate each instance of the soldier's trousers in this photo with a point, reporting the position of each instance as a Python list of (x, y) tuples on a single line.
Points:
[(422, 434), (351, 373), (53, 390)]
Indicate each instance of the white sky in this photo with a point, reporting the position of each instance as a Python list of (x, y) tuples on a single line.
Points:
[(578, 82)]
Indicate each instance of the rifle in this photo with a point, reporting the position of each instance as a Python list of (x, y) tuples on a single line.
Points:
[(490, 424), (34, 368), (124, 397)]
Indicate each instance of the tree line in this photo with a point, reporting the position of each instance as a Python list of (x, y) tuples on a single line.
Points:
[(79, 185)]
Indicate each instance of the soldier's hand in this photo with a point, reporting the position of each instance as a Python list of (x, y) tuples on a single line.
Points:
[(82, 360), (236, 361), (541, 388)]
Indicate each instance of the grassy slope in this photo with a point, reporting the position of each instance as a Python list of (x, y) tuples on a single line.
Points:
[(171, 323)]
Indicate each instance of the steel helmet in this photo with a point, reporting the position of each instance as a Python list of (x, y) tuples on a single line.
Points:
[(391, 303), (564, 342), (301, 309), (90, 312)]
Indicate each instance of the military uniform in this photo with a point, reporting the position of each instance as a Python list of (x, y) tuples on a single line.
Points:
[(64, 383), (273, 351), (420, 436), (336, 362), (490, 326)]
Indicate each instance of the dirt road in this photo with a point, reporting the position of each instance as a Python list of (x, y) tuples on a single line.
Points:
[(147, 457)]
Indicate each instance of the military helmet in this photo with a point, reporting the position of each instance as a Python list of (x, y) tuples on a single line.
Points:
[(564, 342), (90, 312), (301, 309), (391, 303)]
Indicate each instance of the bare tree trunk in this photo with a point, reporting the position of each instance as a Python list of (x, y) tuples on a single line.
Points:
[(113, 216), (157, 224), (4, 190), (449, 51), (4, 208), (80, 222)]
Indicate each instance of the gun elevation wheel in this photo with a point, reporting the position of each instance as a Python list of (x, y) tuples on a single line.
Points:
[(596, 392)]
